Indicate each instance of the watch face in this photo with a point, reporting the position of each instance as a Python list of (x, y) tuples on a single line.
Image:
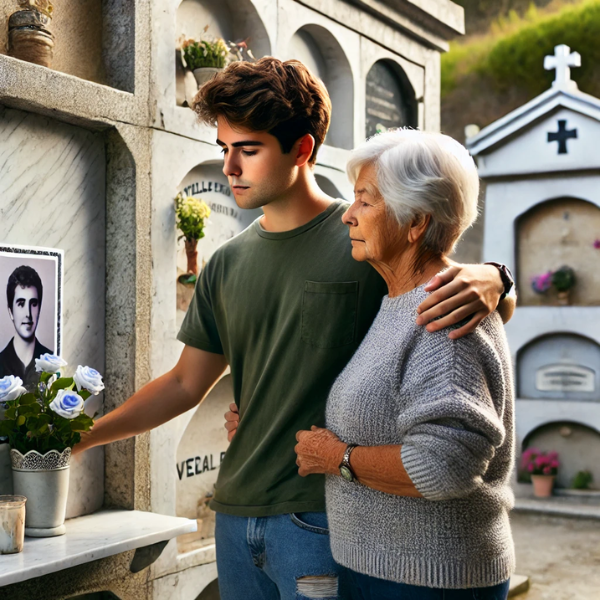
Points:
[(346, 473)]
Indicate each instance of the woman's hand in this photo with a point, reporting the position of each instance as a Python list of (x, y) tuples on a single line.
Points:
[(319, 451), (461, 291), (232, 420)]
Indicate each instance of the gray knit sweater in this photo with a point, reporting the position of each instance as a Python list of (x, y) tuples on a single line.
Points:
[(449, 403)]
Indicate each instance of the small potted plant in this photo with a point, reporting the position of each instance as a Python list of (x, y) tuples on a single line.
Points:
[(564, 280), (204, 57), (29, 35), (543, 468), (191, 214), (42, 426)]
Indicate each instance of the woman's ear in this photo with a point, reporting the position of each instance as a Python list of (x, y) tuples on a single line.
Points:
[(418, 228)]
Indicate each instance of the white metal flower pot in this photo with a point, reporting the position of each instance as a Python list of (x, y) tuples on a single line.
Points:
[(205, 74), (44, 481)]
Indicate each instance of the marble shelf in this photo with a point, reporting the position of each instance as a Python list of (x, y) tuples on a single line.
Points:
[(89, 538)]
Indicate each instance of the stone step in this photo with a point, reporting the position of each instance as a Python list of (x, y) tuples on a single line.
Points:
[(558, 506), (518, 585)]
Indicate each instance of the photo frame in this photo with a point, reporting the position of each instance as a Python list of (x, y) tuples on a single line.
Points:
[(31, 280)]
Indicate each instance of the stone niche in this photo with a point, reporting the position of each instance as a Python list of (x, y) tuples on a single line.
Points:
[(208, 183), (94, 39), (52, 186), (328, 186), (318, 49), (390, 98), (555, 233), (199, 456), (578, 447), (232, 20), (560, 366)]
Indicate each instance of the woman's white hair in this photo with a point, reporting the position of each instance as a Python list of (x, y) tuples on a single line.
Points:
[(421, 173)]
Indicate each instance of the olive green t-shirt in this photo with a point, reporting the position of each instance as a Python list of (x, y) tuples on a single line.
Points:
[(287, 310)]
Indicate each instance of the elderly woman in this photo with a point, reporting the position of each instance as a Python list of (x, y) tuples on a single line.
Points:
[(419, 445)]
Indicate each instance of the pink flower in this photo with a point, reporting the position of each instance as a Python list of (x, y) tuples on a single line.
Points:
[(597, 244), (553, 455), (554, 464), (541, 461), (531, 467), (547, 471)]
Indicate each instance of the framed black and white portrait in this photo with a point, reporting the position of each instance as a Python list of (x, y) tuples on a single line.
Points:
[(30, 322)]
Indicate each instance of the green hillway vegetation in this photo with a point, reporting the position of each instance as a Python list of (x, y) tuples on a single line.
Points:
[(485, 76)]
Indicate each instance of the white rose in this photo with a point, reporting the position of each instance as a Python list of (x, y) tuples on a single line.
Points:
[(11, 388), (67, 404), (88, 379), (49, 363)]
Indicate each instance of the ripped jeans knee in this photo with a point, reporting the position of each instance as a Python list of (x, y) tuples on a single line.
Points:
[(322, 587)]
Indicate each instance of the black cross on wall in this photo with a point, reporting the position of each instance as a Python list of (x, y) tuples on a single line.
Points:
[(562, 135)]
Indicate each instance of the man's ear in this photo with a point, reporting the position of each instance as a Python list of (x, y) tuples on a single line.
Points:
[(418, 228), (306, 145)]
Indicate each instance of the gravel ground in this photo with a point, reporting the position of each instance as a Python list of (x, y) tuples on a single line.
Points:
[(561, 556)]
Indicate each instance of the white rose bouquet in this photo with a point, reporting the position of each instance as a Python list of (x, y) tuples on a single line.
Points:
[(52, 417)]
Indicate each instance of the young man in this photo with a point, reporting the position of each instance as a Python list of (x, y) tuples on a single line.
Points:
[(24, 293), (285, 305)]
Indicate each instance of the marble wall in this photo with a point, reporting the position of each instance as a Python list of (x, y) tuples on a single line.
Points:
[(52, 186)]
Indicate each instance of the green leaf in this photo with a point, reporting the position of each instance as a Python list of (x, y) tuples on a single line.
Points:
[(62, 383), (11, 413), (84, 394), (20, 420), (44, 377), (27, 399)]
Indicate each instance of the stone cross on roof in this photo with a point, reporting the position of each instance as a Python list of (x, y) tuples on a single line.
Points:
[(562, 61)]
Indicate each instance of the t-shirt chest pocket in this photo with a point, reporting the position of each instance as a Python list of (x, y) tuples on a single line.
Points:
[(329, 312)]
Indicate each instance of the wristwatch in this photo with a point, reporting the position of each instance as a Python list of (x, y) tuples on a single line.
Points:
[(506, 276), (345, 469)]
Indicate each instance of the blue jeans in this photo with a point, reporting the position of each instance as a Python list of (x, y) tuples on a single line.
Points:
[(365, 587), (283, 557)]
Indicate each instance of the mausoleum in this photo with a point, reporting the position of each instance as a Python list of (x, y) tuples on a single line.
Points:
[(93, 152), (541, 164)]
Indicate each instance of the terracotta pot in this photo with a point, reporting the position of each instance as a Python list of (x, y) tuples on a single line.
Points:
[(44, 481), (564, 298), (542, 485), (205, 74), (191, 250), (29, 39)]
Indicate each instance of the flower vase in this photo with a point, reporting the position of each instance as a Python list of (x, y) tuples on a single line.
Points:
[(29, 37), (191, 251), (542, 485), (205, 74), (564, 298), (44, 480)]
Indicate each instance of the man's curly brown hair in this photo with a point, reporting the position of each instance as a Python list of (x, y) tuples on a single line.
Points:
[(282, 98)]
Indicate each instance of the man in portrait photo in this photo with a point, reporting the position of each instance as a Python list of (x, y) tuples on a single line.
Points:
[(24, 294)]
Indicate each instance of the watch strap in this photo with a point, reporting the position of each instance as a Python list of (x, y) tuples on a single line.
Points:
[(506, 276)]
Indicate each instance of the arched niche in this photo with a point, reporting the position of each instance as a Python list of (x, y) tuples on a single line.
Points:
[(207, 182), (318, 49), (328, 186), (578, 448), (390, 99), (210, 592), (231, 20), (199, 455), (554, 233), (561, 366)]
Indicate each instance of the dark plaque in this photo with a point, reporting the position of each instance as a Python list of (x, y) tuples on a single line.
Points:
[(390, 101)]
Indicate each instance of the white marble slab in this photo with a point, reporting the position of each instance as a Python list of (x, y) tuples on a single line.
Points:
[(88, 538)]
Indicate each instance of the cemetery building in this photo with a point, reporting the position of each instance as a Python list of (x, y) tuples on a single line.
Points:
[(541, 164), (93, 152)]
